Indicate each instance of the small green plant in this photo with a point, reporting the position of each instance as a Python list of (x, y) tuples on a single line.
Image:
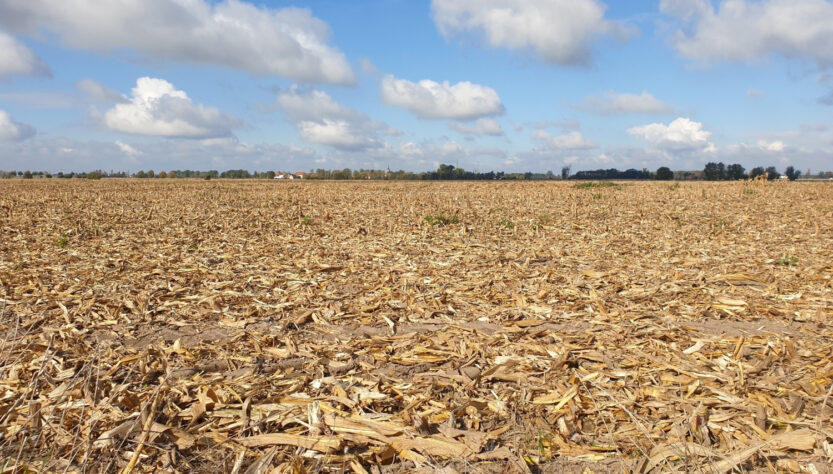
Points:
[(505, 223), (441, 220), (305, 220), (788, 261), (541, 221), (674, 187), (597, 184), (749, 191), (63, 240)]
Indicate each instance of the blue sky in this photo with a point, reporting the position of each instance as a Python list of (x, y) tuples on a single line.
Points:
[(509, 85)]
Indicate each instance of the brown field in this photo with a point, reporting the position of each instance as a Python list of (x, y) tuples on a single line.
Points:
[(255, 326)]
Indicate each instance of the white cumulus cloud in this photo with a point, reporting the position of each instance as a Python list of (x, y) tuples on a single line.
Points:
[(288, 42), (17, 59), (743, 30), (433, 100), (776, 146), (611, 103), (11, 130), (157, 108), (681, 134), (559, 31), (484, 126), (322, 120), (339, 134), (127, 149), (569, 141), (311, 105)]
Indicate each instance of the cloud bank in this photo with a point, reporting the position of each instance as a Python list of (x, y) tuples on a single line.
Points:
[(558, 31), (17, 59), (743, 31), (287, 42), (13, 131)]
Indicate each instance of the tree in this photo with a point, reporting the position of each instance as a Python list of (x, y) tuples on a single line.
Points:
[(343, 174), (792, 173), (162, 174), (565, 172), (735, 172), (711, 171), (772, 173), (141, 174), (664, 173), (236, 174), (445, 171), (756, 171), (27, 175), (151, 174)]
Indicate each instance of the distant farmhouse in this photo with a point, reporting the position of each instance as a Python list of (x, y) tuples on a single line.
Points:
[(287, 175)]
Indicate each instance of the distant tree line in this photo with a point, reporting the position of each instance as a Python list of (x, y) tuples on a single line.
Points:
[(613, 173), (720, 172), (711, 172), (449, 172)]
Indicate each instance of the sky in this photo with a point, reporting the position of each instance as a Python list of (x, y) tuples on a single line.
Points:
[(503, 85)]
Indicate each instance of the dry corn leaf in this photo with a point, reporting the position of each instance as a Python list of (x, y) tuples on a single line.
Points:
[(324, 444)]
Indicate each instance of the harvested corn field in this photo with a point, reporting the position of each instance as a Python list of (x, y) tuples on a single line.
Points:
[(192, 326)]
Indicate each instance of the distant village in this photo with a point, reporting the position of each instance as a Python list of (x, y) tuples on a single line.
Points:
[(287, 175), (321, 174)]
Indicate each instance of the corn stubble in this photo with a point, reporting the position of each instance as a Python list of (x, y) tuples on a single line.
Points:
[(242, 326)]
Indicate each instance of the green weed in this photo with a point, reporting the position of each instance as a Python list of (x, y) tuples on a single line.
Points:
[(441, 220), (789, 261)]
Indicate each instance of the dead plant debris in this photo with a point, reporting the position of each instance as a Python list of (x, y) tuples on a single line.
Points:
[(193, 326)]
